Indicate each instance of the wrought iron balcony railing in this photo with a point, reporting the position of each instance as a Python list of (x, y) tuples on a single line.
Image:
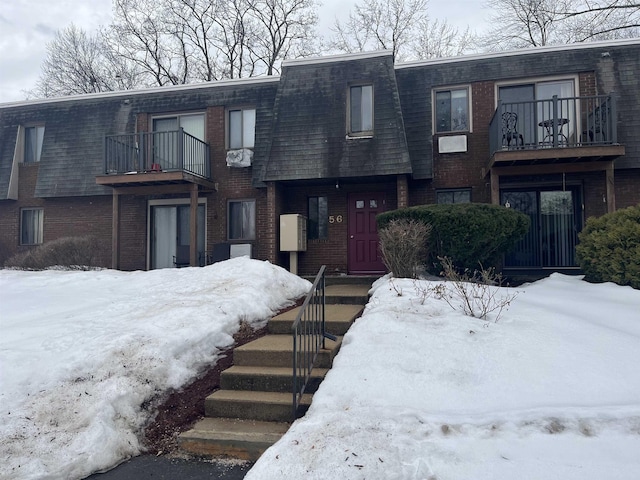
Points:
[(554, 123), (156, 152)]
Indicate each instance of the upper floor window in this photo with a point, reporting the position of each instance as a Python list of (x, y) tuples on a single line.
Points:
[(318, 218), (461, 195), (31, 226), (361, 109), (242, 128), (452, 110), (192, 123), (33, 137), (242, 219)]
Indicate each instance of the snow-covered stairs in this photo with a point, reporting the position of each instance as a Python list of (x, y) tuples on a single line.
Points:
[(253, 407)]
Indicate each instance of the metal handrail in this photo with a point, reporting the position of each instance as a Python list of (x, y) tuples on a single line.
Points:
[(556, 122), (309, 334), (156, 151)]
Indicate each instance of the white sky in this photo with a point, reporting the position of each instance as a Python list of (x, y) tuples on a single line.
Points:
[(418, 390), (27, 25)]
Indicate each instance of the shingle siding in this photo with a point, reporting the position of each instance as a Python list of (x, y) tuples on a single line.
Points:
[(309, 139)]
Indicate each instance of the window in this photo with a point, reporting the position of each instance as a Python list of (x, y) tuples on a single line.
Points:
[(318, 218), (361, 109), (452, 110), (454, 196), (242, 128), (31, 226), (33, 137), (242, 220)]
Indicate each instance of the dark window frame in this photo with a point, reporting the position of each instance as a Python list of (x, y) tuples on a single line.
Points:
[(37, 236), (318, 217), (231, 145), (242, 232), (453, 191), (448, 123)]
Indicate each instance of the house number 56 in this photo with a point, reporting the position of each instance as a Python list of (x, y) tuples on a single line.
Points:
[(335, 219)]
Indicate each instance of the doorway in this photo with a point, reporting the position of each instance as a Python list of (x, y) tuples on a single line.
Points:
[(170, 227), (363, 247), (556, 220)]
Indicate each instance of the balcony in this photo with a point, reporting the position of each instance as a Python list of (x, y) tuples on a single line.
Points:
[(155, 158), (557, 130)]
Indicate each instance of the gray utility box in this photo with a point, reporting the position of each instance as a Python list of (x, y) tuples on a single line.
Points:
[(293, 233)]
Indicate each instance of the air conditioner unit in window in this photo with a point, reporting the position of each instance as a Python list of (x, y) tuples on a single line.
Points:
[(239, 158), (240, 250)]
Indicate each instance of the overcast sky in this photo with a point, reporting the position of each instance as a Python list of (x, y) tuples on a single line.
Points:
[(27, 25)]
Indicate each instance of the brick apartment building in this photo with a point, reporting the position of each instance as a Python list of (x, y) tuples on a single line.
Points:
[(196, 173)]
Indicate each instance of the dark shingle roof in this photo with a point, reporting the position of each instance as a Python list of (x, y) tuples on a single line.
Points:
[(309, 138)]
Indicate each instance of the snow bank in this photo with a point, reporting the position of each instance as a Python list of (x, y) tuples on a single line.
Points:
[(80, 352), (419, 391)]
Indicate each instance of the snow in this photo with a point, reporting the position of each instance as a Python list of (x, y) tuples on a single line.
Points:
[(418, 391), (83, 353)]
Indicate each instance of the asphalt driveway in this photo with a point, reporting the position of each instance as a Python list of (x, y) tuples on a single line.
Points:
[(152, 467)]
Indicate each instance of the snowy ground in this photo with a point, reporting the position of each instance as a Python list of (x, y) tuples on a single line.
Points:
[(418, 391), (80, 352), (421, 392)]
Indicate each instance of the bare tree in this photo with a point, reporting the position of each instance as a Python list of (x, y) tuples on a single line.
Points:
[(78, 63), (402, 26), (533, 23), (439, 39), (285, 28)]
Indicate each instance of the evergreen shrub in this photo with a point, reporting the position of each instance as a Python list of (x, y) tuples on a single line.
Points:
[(472, 235), (609, 248)]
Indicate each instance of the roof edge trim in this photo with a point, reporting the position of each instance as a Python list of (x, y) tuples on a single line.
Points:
[(142, 91), (342, 57), (524, 51)]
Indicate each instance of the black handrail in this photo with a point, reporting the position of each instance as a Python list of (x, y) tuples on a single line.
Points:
[(156, 151), (552, 123), (308, 337)]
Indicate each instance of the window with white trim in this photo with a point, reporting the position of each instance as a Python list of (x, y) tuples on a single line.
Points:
[(452, 110), (241, 219), (31, 226), (33, 138), (241, 128), (361, 110)]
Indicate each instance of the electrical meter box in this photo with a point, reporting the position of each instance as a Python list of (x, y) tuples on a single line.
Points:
[(293, 233)]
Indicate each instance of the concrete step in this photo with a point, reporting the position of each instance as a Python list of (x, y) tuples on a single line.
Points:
[(227, 437), (347, 279), (277, 351), (266, 379), (248, 405), (353, 294), (338, 319)]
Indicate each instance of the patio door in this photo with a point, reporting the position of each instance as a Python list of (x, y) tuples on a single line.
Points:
[(555, 222), (363, 249), (532, 103), (166, 142), (170, 235)]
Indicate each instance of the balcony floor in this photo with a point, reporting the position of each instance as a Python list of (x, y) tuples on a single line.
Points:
[(136, 179), (586, 153)]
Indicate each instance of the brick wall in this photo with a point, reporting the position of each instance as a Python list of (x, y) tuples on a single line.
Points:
[(331, 251)]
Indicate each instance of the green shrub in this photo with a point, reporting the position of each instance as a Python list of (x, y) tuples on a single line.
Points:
[(472, 235), (403, 246), (609, 248), (80, 253)]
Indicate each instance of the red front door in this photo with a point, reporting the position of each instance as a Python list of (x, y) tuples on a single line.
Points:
[(364, 253)]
